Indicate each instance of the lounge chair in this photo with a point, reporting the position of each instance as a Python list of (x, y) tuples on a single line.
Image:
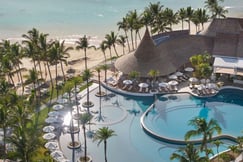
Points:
[(146, 90), (130, 88), (140, 89), (125, 86)]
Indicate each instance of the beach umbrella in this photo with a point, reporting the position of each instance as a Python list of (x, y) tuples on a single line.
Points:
[(53, 113), (48, 129), (127, 82), (189, 69), (172, 76), (58, 107), (57, 154), (143, 85), (163, 84), (178, 73), (193, 79), (204, 81), (211, 85), (51, 145), (200, 87), (53, 120), (62, 101), (49, 136), (62, 159), (173, 82)]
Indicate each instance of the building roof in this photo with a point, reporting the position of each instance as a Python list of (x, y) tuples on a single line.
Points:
[(223, 37)]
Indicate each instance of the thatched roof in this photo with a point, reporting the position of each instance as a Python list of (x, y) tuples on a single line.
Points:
[(228, 25), (167, 57), (223, 37)]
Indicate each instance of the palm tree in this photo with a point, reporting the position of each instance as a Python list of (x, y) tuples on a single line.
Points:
[(103, 47), (153, 74), (217, 143), (83, 44), (124, 25), (122, 41), (98, 70), (201, 16), (105, 68), (204, 128), (101, 135), (182, 16), (84, 119), (87, 74), (17, 55), (215, 9), (187, 154), (32, 77), (189, 16), (219, 12), (112, 39), (170, 17)]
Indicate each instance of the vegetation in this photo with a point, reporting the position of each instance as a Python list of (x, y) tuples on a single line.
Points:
[(101, 135)]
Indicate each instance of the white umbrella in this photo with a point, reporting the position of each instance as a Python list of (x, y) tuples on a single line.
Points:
[(193, 79), (127, 82), (53, 120), (53, 113), (211, 85), (201, 86), (173, 82), (143, 85), (172, 77), (58, 107), (57, 154), (48, 129), (163, 84), (62, 101), (51, 145), (62, 159), (49, 136), (178, 73), (189, 69)]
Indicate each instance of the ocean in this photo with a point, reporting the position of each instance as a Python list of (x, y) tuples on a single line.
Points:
[(71, 19)]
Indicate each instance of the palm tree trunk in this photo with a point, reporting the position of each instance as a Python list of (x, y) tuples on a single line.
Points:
[(132, 40), (21, 79), (110, 54), (85, 59), (85, 142), (115, 50), (56, 78), (129, 49), (64, 77), (105, 150), (39, 64), (104, 57), (49, 71), (87, 82)]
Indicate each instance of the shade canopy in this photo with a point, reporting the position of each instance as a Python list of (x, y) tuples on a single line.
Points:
[(49, 136), (143, 85), (228, 65), (127, 82), (173, 82), (51, 145), (48, 129)]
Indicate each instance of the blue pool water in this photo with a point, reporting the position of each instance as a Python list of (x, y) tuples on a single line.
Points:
[(170, 118), (171, 114)]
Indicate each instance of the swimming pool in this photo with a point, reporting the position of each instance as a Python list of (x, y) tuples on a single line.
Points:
[(170, 114), (122, 113)]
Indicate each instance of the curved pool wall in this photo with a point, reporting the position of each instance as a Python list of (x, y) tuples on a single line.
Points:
[(177, 141), (224, 93)]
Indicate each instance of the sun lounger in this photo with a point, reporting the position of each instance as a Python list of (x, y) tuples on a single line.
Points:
[(130, 88), (125, 86), (147, 90), (141, 89)]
